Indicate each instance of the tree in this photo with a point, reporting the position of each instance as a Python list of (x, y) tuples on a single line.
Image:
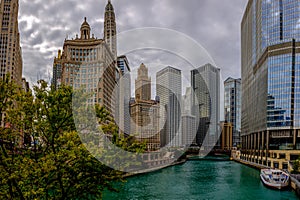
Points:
[(57, 164), (296, 166), (8, 90)]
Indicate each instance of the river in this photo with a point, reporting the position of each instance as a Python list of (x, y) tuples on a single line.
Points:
[(199, 179)]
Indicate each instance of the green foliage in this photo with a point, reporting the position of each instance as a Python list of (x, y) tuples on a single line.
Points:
[(8, 90), (54, 164), (296, 166)]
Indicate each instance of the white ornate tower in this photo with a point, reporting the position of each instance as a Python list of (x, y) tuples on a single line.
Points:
[(110, 29), (85, 30), (143, 84)]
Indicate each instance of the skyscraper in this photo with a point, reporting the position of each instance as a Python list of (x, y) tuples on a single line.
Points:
[(271, 81), (57, 70), (91, 63), (88, 63), (169, 90), (110, 29), (10, 49), (232, 107), (143, 84), (124, 95), (145, 112), (189, 122), (206, 101)]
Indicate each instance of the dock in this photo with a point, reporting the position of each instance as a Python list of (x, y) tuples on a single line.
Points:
[(295, 184)]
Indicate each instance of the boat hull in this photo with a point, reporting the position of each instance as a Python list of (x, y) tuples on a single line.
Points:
[(274, 186)]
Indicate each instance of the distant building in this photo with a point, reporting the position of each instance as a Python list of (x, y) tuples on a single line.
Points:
[(226, 138), (25, 85), (187, 101), (143, 84), (57, 70), (145, 112), (124, 95), (189, 128), (10, 49), (233, 107), (123, 64), (169, 90), (189, 122), (206, 101)]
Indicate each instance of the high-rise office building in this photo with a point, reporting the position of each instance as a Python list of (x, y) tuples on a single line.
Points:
[(145, 112), (169, 90), (189, 122), (90, 63), (206, 102), (232, 107), (187, 101), (57, 70), (10, 49), (271, 82), (124, 95), (189, 129)]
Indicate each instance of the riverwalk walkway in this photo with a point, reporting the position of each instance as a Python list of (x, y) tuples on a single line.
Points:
[(153, 169)]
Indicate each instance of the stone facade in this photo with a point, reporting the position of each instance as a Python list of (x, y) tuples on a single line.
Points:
[(145, 112), (226, 138), (91, 64), (11, 53)]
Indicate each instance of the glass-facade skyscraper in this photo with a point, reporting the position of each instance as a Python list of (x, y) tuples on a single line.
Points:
[(124, 95), (169, 90), (271, 80), (232, 107), (206, 104)]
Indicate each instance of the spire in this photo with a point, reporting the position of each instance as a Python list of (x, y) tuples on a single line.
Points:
[(109, 6)]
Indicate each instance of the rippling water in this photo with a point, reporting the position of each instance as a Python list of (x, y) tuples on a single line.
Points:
[(199, 180)]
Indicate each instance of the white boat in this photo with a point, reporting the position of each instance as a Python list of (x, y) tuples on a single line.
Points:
[(275, 178)]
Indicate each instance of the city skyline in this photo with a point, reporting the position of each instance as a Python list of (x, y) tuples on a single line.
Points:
[(40, 45), (184, 97)]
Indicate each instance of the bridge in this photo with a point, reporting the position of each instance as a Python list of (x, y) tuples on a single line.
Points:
[(214, 152)]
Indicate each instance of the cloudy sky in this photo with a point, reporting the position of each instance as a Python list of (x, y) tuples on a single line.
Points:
[(214, 24)]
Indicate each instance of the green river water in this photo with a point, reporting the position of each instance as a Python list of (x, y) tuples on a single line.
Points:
[(199, 179)]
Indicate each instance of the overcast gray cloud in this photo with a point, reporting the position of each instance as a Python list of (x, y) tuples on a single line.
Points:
[(215, 24)]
